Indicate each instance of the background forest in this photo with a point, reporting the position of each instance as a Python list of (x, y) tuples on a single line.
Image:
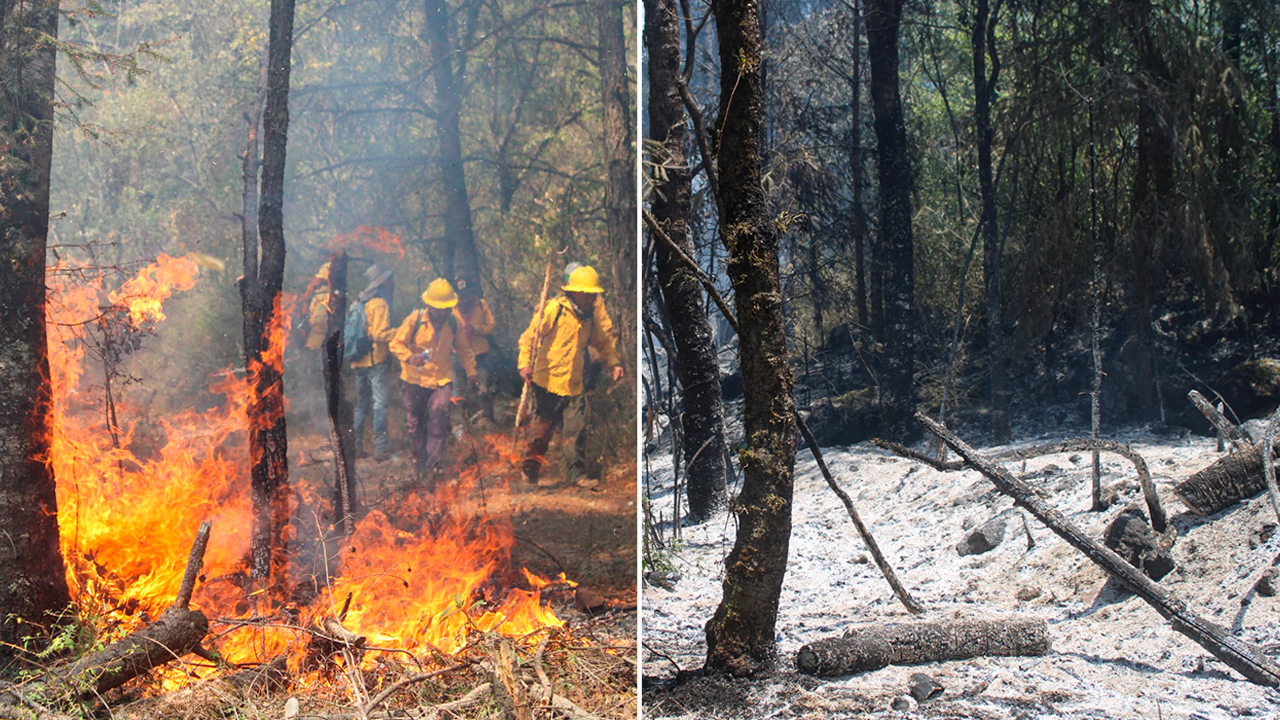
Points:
[(1061, 154), (156, 165)]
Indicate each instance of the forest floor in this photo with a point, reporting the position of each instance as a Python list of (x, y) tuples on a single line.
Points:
[(1112, 655)]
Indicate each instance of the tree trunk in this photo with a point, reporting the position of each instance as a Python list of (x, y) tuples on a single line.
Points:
[(268, 444), (339, 412), (703, 423), (1232, 478), (459, 259), (740, 637), (984, 84), (32, 576), (619, 157), (875, 646), (898, 394), (856, 178)]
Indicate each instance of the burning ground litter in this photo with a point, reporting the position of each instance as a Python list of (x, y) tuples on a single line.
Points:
[(425, 580)]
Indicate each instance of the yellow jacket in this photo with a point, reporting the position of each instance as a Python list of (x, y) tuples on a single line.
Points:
[(377, 318), (564, 339), (318, 318), (476, 326), (412, 337)]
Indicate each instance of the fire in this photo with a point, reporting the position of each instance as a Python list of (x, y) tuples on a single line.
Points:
[(374, 238), (417, 579)]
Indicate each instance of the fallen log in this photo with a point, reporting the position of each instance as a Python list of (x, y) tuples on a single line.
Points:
[(1237, 476), (872, 647), (177, 632), (1226, 429), (1237, 654)]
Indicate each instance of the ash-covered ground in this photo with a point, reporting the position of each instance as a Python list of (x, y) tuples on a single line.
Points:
[(1112, 655)]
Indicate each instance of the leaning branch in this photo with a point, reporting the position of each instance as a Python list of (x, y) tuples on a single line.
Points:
[(1244, 658)]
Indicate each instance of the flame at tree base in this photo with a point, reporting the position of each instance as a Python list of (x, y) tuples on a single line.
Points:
[(418, 580)]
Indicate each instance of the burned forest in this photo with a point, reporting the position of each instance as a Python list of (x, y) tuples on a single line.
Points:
[(276, 278), (1024, 371)]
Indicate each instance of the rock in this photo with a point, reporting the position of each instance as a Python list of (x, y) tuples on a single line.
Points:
[(902, 703), (1134, 540), (861, 559), (664, 580), (984, 538), (589, 601), (923, 687), (1269, 582), (1027, 594)]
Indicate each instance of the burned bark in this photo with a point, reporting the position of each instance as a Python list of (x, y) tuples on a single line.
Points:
[(1239, 655), (268, 442), (740, 636), (458, 261), (619, 157), (339, 416), (872, 647), (32, 577), (896, 245), (698, 367), (1237, 476)]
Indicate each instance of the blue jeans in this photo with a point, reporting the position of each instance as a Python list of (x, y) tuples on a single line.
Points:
[(372, 384)]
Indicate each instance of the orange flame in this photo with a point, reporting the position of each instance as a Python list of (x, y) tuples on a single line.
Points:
[(417, 579), (372, 237)]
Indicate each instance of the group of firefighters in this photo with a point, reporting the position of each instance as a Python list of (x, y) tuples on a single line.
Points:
[(455, 324)]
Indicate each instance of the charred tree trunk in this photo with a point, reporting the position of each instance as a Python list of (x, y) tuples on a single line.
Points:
[(856, 176), (1232, 478), (619, 157), (32, 576), (898, 394), (875, 646), (703, 423), (264, 342), (339, 414), (459, 260), (740, 637), (984, 90)]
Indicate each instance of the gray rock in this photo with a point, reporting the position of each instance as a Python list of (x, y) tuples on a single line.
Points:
[(923, 687), (902, 703), (984, 538), (1269, 582)]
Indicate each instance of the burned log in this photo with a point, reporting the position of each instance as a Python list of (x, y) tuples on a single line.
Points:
[(177, 632), (875, 646), (1234, 477), (1236, 653)]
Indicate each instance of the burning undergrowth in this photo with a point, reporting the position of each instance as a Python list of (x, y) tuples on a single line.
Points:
[(422, 584)]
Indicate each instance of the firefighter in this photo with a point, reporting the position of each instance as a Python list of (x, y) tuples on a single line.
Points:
[(318, 310), (373, 371), (568, 325), (426, 344), (475, 321)]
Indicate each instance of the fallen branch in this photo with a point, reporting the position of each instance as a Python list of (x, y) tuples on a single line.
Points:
[(1159, 520), (1237, 654), (875, 646), (399, 685)]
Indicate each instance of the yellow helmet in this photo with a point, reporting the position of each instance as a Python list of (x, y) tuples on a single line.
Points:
[(323, 272), (583, 279), (439, 294)]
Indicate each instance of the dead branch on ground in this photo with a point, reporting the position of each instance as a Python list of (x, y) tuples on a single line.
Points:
[(1239, 655)]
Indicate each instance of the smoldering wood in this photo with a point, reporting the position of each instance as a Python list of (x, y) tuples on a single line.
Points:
[(195, 561), (1236, 476), (871, 647), (1237, 654), (1225, 427)]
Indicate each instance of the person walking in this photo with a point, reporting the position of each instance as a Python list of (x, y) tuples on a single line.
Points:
[(373, 370), (426, 344), (567, 326)]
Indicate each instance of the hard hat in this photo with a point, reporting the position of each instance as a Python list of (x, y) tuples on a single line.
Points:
[(439, 294), (323, 272), (583, 279), (377, 275), (568, 269)]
